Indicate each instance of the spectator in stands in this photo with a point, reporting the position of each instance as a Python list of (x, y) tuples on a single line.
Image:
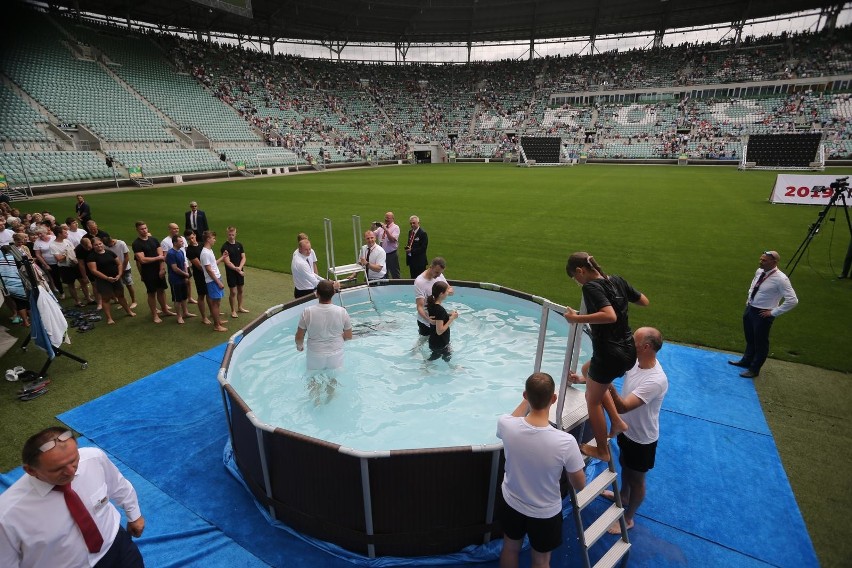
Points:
[(415, 250), (196, 220), (84, 212), (5, 234), (151, 262), (234, 257)]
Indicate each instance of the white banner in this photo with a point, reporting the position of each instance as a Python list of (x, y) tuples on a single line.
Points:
[(805, 190)]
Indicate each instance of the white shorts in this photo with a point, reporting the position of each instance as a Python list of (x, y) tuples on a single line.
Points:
[(324, 360)]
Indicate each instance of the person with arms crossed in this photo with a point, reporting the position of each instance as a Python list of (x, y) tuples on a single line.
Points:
[(536, 455), (60, 515), (613, 350), (439, 336), (769, 295)]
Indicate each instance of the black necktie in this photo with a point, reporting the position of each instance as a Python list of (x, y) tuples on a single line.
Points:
[(759, 282)]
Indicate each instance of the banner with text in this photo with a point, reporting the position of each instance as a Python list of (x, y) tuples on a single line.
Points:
[(805, 190)]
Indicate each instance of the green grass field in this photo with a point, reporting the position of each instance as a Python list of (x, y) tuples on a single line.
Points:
[(688, 237)]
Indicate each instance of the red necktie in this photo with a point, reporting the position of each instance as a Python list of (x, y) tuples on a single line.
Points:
[(91, 534)]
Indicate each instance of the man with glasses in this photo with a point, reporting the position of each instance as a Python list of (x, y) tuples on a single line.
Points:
[(196, 220), (769, 296), (60, 514)]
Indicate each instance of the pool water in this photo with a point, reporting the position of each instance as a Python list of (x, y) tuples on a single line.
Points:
[(388, 396)]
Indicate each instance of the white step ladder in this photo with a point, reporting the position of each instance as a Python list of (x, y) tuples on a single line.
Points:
[(335, 271), (569, 413), (607, 479)]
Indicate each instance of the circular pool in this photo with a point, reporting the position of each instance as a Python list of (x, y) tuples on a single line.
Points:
[(393, 455)]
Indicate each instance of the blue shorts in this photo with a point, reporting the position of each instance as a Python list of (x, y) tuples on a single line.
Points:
[(214, 292)]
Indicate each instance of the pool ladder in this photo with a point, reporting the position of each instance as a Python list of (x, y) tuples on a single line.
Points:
[(607, 479), (336, 271)]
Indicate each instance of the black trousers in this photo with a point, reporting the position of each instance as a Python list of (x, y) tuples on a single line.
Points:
[(756, 329), (122, 554)]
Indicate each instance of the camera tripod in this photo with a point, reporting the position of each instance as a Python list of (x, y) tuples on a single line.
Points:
[(840, 187)]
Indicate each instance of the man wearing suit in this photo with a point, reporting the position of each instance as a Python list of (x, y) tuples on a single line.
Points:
[(196, 220), (415, 249)]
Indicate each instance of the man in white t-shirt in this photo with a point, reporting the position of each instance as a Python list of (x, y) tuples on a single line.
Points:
[(327, 327), (372, 257), (639, 405), (5, 234), (213, 279), (423, 289), (75, 233), (536, 454)]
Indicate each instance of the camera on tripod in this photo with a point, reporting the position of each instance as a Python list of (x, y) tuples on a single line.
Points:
[(840, 184)]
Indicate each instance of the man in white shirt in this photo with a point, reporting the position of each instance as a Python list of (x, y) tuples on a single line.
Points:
[(327, 327), (304, 270), (38, 528), (769, 295), (536, 455), (75, 233), (213, 279), (5, 234), (373, 258), (645, 386), (423, 289)]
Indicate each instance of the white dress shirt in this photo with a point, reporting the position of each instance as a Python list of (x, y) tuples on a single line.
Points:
[(36, 529), (374, 255), (773, 289), (302, 268)]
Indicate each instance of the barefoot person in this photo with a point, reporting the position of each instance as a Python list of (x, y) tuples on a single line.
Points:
[(178, 278), (107, 269), (613, 351), (235, 261), (213, 280), (536, 454), (639, 404), (193, 255), (151, 261)]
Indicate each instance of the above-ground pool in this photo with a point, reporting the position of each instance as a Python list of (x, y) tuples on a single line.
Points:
[(393, 455)]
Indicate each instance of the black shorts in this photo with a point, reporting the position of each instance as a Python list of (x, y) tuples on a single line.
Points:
[(234, 278), (613, 363), (302, 293), (109, 290), (423, 329), (21, 303), (154, 282), (636, 456), (200, 284), (179, 291), (545, 534), (69, 274)]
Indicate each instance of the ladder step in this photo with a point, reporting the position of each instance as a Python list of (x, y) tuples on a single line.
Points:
[(599, 527), (595, 488), (614, 555)]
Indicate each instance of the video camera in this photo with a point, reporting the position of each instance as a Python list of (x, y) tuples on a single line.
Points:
[(840, 184)]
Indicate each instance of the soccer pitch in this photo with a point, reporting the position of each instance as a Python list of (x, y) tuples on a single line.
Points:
[(688, 237)]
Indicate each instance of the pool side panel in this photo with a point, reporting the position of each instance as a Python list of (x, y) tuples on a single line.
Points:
[(428, 502), (244, 444)]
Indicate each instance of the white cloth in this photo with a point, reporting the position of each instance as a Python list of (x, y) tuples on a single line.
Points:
[(167, 245), (64, 248), (325, 324), (6, 236), (302, 268), (52, 318), (775, 288), (208, 258), (377, 255), (36, 529), (423, 289), (649, 385), (535, 458)]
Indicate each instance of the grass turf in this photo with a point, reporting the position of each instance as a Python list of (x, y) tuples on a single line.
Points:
[(689, 238)]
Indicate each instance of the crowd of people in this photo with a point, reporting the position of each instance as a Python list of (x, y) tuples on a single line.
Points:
[(93, 268)]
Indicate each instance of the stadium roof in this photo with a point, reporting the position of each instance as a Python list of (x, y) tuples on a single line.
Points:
[(437, 21)]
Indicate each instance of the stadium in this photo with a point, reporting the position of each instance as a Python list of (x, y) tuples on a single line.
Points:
[(667, 125)]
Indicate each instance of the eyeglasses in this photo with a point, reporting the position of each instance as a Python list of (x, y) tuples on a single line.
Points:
[(50, 444), (770, 254)]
